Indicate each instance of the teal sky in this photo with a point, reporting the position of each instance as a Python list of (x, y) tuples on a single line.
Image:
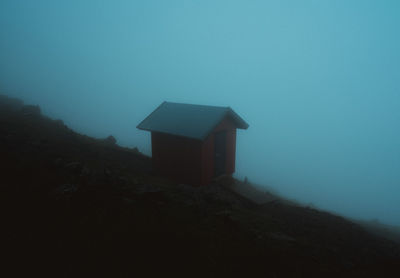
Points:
[(317, 80)]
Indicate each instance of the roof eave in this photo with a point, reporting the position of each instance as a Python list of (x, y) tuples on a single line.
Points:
[(240, 123), (148, 116)]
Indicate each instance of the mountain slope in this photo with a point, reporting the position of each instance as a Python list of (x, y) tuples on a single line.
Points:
[(78, 206)]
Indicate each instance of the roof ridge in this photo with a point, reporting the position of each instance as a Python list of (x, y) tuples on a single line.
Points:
[(189, 120), (192, 104)]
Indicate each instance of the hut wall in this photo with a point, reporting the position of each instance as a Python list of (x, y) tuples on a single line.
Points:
[(177, 157), (207, 152)]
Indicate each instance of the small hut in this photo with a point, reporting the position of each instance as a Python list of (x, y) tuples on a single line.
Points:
[(193, 144)]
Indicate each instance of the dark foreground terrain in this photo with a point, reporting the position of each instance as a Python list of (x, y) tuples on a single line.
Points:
[(74, 206)]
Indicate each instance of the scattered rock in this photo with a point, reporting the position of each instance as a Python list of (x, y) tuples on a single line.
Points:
[(128, 201), (121, 180), (85, 172), (39, 143), (226, 216), (110, 140), (10, 103), (135, 181), (280, 236), (147, 188), (107, 173), (224, 213), (31, 110), (75, 167), (60, 123), (58, 161), (65, 190)]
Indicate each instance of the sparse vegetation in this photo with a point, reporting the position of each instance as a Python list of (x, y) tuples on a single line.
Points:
[(77, 206)]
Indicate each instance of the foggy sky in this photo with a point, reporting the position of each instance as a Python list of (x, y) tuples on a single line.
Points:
[(318, 82)]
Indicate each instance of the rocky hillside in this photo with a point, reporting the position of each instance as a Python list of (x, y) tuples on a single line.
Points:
[(77, 206)]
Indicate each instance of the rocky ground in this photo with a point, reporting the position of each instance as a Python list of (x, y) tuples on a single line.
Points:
[(75, 206)]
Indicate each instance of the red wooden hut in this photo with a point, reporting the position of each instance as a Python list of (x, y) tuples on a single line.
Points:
[(192, 144)]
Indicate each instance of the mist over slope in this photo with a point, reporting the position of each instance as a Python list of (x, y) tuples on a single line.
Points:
[(318, 82), (76, 206)]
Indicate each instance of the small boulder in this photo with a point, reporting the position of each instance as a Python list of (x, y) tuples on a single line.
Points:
[(110, 140), (64, 191), (60, 123)]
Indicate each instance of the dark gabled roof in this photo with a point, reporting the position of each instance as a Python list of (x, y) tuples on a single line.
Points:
[(189, 120)]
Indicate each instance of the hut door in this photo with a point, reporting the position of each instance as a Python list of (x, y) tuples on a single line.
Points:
[(220, 153)]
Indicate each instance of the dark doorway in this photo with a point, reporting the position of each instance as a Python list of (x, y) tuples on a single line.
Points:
[(220, 153)]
